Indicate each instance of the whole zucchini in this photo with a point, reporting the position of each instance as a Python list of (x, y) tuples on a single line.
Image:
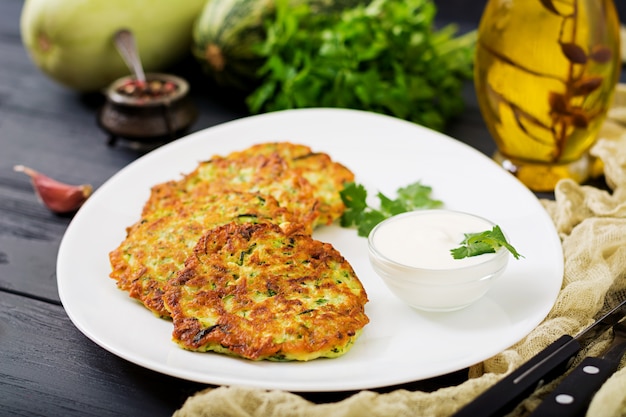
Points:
[(72, 40), (225, 33)]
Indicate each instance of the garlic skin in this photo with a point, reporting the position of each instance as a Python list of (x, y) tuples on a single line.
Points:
[(56, 196)]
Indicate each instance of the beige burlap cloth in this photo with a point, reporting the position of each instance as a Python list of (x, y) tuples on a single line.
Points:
[(592, 226)]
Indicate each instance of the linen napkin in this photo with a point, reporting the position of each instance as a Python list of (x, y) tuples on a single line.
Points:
[(592, 225)]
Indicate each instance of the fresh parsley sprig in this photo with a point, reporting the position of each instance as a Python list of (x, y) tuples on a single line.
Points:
[(488, 241), (358, 213)]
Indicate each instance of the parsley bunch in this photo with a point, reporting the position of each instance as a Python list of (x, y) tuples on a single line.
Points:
[(384, 56), (359, 213)]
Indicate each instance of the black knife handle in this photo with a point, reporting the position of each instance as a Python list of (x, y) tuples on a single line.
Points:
[(573, 395), (511, 390)]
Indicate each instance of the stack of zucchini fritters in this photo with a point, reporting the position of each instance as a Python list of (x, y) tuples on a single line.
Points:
[(226, 252)]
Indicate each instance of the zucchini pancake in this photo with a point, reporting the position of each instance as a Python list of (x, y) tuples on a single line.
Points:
[(156, 248), (227, 253), (258, 292), (265, 174)]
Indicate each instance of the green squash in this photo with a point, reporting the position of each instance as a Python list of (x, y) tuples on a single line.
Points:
[(72, 40), (227, 30)]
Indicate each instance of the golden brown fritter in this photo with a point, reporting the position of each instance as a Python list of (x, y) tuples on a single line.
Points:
[(265, 174), (258, 292), (326, 176), (156, 247)]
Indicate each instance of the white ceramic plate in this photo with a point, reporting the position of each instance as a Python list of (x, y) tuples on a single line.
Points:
[(399, 344)]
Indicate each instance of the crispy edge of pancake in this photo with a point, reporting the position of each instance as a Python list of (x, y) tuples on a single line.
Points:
[(258, 292), (184, 222), (287, 150)]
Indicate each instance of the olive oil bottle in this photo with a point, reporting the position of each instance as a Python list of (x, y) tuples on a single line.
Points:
[(545, 72)]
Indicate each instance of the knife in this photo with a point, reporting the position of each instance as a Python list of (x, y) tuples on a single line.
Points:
[(572, 396), (541, 368)]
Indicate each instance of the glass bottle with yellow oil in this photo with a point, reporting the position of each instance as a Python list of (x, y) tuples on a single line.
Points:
[(545, 72)]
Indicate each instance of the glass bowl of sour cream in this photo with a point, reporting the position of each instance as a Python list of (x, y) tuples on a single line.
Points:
[(411, 253)]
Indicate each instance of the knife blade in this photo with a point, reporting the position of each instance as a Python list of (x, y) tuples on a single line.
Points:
[(572, 396), (549, 363)]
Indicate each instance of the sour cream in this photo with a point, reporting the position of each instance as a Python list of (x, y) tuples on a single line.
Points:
[(424, 239), (411, 253)]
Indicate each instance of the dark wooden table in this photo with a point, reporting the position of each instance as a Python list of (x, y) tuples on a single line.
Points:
[(47, 367)]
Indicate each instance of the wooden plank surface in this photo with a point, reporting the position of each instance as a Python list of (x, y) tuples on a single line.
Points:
[(49, 368)]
